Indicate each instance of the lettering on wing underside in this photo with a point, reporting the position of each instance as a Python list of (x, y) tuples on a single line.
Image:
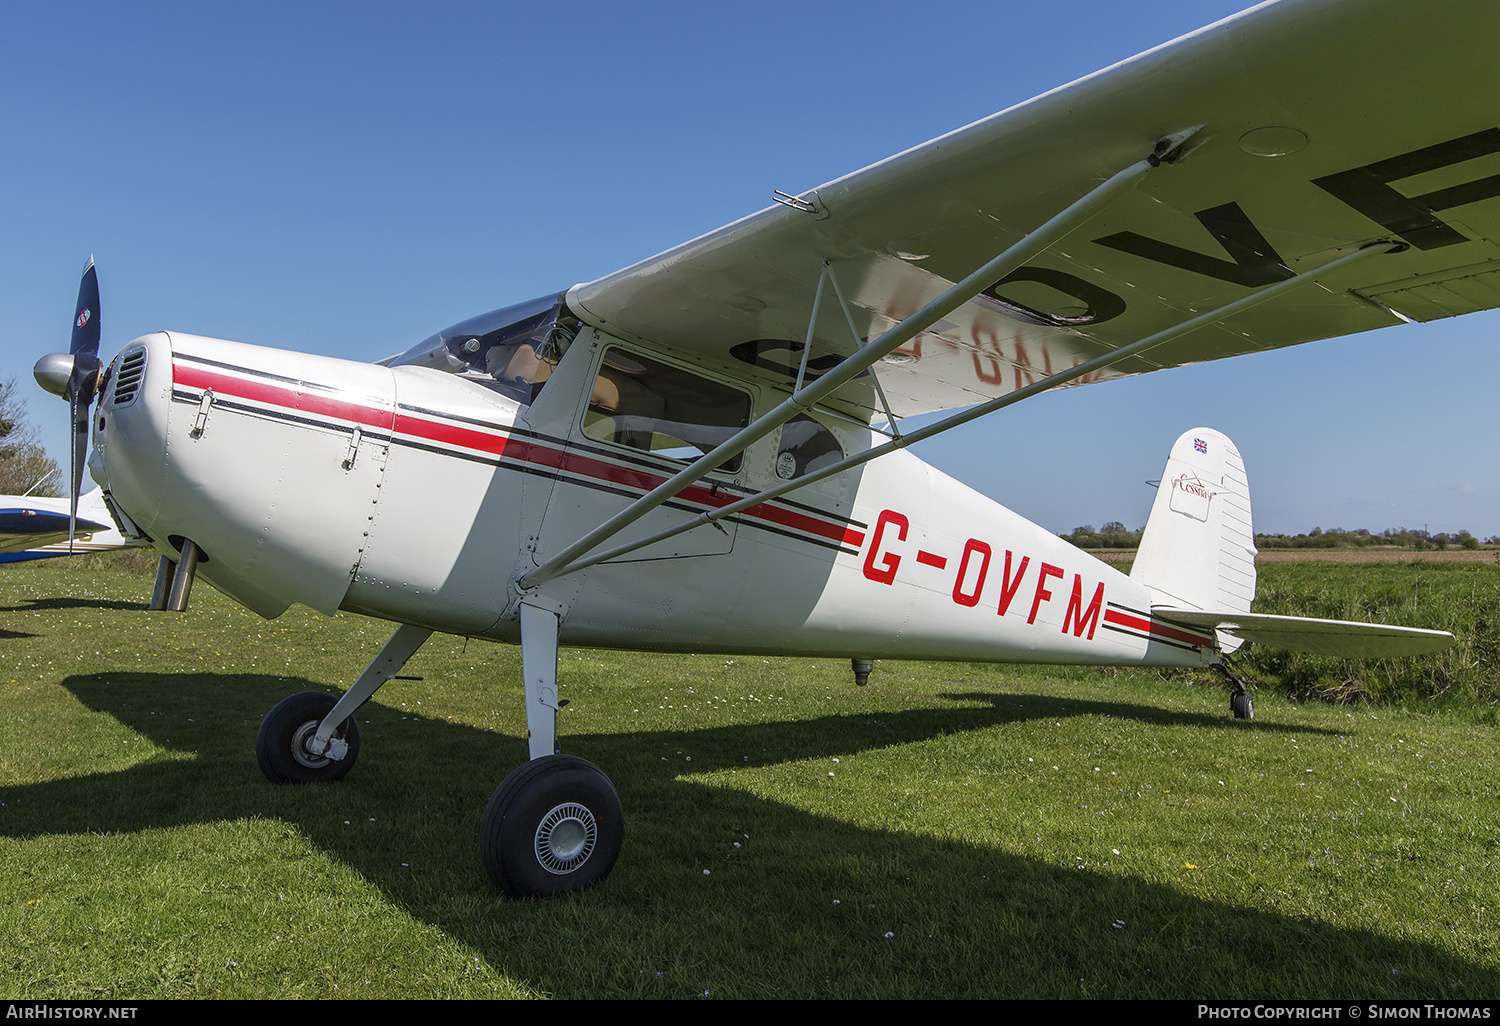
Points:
[(1254, 263), (1246, 258)]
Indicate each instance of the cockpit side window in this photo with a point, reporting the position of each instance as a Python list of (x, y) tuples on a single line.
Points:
[(650, 406)]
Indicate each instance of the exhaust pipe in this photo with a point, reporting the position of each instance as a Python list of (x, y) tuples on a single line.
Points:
[(182, 581), (164, 569)]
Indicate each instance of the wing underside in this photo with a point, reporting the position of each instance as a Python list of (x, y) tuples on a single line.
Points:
[(23, 528), (1322, 125)]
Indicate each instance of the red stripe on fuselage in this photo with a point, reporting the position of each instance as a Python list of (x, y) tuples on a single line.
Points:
[(1155, 629), (276, 395), (467, 438), (571, 462)]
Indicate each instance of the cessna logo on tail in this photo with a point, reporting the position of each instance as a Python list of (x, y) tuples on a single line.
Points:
[(1193, 486)]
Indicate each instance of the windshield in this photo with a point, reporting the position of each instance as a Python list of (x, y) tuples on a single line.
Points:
[(511, 350)]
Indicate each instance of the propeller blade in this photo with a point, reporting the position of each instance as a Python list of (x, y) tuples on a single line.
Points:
[(79, 448), (83, 372), (86, 314), (83, 384)]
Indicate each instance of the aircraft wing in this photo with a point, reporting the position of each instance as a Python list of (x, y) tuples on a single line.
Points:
[(33, 527), (23, 527), (1343, 639), (1326, 125)]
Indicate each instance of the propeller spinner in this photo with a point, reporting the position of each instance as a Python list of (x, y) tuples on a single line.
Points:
[(75, 376)]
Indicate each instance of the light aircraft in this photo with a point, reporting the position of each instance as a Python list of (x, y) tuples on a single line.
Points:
[(703, 452)]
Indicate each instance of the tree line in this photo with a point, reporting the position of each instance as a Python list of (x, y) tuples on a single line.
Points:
[(1114, 535), (24, 464)]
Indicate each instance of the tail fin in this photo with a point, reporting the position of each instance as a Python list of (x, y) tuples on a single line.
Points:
[(1198, 549), (1197, 557)]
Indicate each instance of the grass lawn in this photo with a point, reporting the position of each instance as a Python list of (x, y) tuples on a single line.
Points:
[(951, 830)]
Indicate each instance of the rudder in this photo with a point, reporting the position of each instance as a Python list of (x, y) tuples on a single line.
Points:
[(1198, 549)]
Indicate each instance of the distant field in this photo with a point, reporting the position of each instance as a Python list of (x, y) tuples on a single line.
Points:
[(950, 830), (1378, 555), (1365, 555)]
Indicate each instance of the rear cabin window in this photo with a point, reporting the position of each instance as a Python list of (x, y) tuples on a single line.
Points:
[(641, 404)]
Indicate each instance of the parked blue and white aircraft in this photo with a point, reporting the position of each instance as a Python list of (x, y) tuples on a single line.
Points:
[(703, 451), (41, 527)]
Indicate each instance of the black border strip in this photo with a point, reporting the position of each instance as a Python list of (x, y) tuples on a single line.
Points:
[(1151, 639)]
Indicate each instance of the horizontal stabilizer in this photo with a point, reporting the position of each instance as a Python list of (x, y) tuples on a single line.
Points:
[(1343, 639)]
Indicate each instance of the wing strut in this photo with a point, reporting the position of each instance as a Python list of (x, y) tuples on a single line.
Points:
[(975, 412), (890, 418), (805, 398)]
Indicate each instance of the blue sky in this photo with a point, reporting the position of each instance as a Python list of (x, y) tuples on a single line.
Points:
[(346, 178)]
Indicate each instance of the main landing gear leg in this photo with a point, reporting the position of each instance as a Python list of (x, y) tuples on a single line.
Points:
[(310, 737), (539, 667), (555, 824)]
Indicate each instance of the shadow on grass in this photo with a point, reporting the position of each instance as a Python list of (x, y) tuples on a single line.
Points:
[(1043, 706), (807, 905), (34, 605)]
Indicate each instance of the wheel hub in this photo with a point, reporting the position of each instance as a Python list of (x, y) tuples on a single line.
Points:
[(565, 838), (301, 752)]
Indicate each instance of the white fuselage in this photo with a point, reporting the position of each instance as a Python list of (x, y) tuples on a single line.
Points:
[(417, 496)]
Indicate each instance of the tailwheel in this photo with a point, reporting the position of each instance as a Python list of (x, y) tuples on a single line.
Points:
[(554, 825), (1239, 696), (281, 745)]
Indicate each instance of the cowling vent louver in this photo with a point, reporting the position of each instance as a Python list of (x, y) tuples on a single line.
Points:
[(129, 378)]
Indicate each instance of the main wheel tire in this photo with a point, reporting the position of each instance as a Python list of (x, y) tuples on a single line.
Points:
[(554, 825), (1241, 706), (280, 744)]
